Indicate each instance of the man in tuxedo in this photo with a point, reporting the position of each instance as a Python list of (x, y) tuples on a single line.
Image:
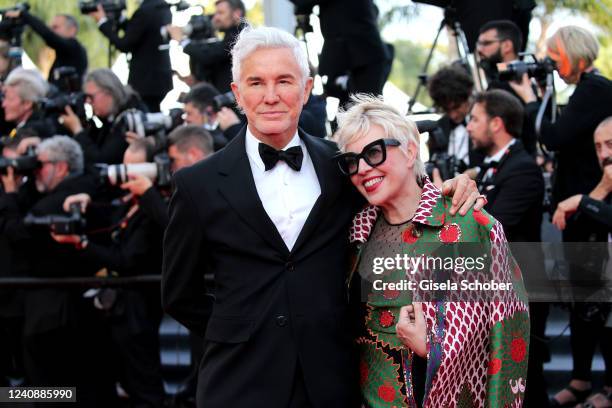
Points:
[(150, 71), (514, 186), (272, 227)]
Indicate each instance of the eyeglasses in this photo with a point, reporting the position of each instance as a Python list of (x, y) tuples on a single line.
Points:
[(374, 154), (486, 43)]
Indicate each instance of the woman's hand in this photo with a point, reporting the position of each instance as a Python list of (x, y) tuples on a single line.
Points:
[(524, 89), (411, 328), (465, 194)]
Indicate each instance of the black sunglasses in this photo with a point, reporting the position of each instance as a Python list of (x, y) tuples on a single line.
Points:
[(374, 154)]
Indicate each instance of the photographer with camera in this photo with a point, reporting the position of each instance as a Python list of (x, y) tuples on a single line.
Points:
[(211, 60), (61, 35), (205, 106), (23, 89), (60, 327), (134, 314), (451, 90), (109, 98), (574, 49), (352, 46), (150, 69)]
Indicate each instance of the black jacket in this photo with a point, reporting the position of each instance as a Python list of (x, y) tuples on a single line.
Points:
[(275, 311), (571, 137), (150, 70), (515, 195), (212, 62), (68, 51)]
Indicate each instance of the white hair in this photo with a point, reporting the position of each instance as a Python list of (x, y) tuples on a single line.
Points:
[(251, 39), (30, 84), (63, 149), (367, 111)]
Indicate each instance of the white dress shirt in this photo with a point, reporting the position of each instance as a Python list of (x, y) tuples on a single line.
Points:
[(496, 157), (287, 195), (459, 144)]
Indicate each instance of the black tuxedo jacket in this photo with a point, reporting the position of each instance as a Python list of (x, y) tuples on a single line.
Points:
[(150, 71), (515, 195), (276, 312)]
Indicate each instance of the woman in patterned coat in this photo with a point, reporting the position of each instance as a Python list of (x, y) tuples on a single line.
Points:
[(453, 347)]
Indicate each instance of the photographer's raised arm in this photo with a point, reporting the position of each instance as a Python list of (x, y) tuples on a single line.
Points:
[(134, 32)]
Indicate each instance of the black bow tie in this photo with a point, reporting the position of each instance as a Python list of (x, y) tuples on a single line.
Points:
[(292, 156)]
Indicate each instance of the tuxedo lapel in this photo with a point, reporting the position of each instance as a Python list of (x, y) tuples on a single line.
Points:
[(329, 181), (239, 190)]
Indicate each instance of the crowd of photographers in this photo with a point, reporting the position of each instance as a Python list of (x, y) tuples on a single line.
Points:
[(84, 193)]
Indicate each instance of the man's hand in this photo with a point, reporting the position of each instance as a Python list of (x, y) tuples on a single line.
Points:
[(22, 147), (465, 194), (565, 209), (83, 199), (411, 328), (138, 184), (227, 118), (12, 14), (524, 89), (9, 181), (71, 121), (176, 33), (131, 136), (99, 14)]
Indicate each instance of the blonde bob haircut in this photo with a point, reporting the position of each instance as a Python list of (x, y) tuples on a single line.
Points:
[(366, 111), (574, 48)]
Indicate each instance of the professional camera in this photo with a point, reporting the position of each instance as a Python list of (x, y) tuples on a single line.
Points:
[(199, 28), (57, 104), (448, 166), (66, 79), (224, 100), (21, 165), (117, 174), (74, 223), (11, 29), (113, 8), (537, 69), (153, 125)]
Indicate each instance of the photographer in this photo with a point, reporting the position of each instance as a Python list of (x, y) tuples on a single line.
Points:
[(201, 110), (61, 36), (352, 45), (22, 90), (135, 313), (108, 98), (60, 329), (211, 61), (187, 145), (150, 70), (451, 90), (574, 50)]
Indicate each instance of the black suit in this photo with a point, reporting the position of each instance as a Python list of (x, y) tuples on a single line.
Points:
[(68, 51), (279, 317), (150, 71), (515, 199)]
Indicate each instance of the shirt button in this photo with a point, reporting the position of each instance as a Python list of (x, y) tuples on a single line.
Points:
[(281, 321), (290, 266)]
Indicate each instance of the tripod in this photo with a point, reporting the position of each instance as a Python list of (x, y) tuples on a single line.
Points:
[(461, 43)]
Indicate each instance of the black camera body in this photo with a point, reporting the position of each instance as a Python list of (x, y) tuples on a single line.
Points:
[(11, 29), (57, 104), (447, 165), (224, 100), (200, 28), (71, 224), (534, 68), (113, 8), (25, 164)]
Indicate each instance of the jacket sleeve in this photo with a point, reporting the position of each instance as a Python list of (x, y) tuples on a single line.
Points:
[(53, 40), (134, 32), (153, 204), (183, 263), (111, 151), (598, 210)]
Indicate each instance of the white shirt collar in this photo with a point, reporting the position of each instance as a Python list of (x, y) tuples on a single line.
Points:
[(497, 156), (252, 147)]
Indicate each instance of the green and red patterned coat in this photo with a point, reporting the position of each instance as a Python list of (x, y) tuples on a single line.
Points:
[(476, 349)]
